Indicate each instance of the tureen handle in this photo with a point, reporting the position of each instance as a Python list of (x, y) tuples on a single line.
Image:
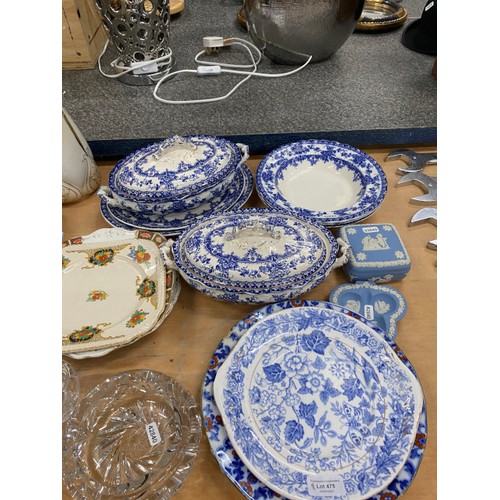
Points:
[(245, 152), (342, 254), (105, 193), (243, 231), (174, 142), (166, 253)]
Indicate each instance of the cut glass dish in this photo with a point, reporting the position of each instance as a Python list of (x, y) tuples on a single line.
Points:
[(134, 436), (70, 390)]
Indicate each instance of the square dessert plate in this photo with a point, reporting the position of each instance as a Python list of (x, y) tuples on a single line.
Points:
[(113, 288)]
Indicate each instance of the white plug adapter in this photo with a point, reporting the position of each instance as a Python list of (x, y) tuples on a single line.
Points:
[(210, 42)]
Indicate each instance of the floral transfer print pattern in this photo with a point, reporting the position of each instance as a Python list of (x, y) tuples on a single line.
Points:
[(147, 289), (139, 254), (97, 295), (137, 318), (86, 333), (325, 395), (102, 257), (221, 447)]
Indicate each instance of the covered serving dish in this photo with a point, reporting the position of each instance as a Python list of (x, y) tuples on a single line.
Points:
[(255, 255), (175, 175)]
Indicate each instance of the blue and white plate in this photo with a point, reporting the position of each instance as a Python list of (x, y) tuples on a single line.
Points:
[(331, 183), (222, 448), (235, 197), (381, 304), (314, 400)]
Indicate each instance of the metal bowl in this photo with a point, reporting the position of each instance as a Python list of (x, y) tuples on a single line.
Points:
[(290, 31)]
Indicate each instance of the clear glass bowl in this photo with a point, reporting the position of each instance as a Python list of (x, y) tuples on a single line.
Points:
[(70, 390), (135, 435)]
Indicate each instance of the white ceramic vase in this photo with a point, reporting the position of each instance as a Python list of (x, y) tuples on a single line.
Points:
[(80, 175)]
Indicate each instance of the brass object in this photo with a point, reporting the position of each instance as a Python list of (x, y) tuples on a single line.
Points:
[(176, 6), (241, 18), (381, 15)]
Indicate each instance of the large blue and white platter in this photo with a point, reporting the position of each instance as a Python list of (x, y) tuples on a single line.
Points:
[(314, 400), (235, 197), (329, 182), (221, 446)]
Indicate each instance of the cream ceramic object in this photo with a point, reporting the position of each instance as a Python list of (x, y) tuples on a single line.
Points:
[(114, 289), (172, 291), (80, 175)]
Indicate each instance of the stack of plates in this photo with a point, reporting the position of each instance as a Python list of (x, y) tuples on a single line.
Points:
[(255, 256), (331, 183), (167, 186), (134, 435), (305, 399), (116, 289)]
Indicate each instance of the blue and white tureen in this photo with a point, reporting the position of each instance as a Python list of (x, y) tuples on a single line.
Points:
[(331, 183), (175, 175), (256, 255)]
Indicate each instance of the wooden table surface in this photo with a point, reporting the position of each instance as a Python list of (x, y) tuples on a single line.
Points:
[(183, 345)]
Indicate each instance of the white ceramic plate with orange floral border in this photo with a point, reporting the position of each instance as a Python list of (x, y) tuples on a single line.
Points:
[(113, 288)]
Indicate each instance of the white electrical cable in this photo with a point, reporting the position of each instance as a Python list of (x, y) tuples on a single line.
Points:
[(205, 68), (219, 68), (163, 60)]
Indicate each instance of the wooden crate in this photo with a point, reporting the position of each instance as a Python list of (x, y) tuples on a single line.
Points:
[(83, 35)]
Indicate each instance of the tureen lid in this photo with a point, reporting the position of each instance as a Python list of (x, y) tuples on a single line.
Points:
[(174, 168), (255, 247)]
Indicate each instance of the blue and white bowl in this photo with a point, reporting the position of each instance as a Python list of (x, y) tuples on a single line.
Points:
[(176, 175), (325, 181), (255, 255)]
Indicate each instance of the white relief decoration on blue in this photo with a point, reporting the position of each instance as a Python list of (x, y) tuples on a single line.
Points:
[(388, 303), (311, 390), (232, 465)]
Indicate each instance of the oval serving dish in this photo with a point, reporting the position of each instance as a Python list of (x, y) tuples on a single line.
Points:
[(175, 175), (328, 182), (255, 255)]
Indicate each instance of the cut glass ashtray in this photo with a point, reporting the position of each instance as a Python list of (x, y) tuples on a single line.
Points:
[(135, 435)]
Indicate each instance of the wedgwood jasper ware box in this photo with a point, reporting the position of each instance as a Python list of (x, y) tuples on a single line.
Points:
[(376, 253)]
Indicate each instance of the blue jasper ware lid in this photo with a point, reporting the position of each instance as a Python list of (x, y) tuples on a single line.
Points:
[(175, 168), (254, 247), (374, 247)]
